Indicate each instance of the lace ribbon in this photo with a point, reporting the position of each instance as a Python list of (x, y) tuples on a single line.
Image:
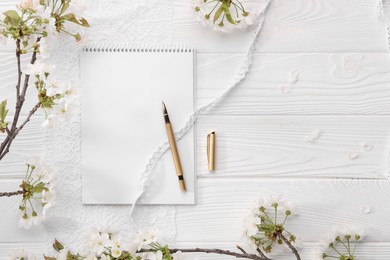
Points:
[(243, 70)]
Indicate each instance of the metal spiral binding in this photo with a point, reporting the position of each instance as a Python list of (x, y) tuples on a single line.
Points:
[(137, 48)]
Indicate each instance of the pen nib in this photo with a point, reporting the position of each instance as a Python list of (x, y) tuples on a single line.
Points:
[(164, 108)]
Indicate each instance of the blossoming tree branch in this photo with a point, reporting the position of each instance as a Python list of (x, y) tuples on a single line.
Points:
[(264, 236), (33, 26)]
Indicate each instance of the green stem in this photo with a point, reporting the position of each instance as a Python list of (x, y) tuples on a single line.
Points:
[(235, 5), (336, 250), (276, 215), (285, 219), (243, 9), (268, 218), (215, 6)]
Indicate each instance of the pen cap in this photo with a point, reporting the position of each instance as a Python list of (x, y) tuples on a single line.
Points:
[(211, 151)]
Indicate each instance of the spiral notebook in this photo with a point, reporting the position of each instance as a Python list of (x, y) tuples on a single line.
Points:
[(122, 123)]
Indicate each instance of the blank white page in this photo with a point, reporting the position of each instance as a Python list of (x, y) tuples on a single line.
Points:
[(122, 124)]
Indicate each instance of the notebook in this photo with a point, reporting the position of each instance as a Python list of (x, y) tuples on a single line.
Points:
[(122, 123)]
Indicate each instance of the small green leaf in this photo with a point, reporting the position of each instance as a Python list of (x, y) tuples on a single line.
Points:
[(65, 7), (72, 18), (3, 110), (218, 13), (49, 257), (13, 16), (230, 19), (38, 188), (57, 246), (3, 115), (84, 22)]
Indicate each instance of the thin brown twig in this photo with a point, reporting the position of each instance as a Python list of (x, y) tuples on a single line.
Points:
[(219, 252), (241, 249), (20, 98), (262, 254), (292, 248), (17, 130), (19, 69), (9, 194)]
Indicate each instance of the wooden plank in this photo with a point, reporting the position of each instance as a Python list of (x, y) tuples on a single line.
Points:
[(9, 230), (293, 26), (37, 249), (276, 146), (323, 204), (344, 83), (30, 142), (372, 251)]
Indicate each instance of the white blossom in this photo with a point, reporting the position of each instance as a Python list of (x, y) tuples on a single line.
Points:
[(25, 222), (48, 199), (33, 69), (63, 109), (144, 238), (36, 220), (18, 254), (318, 254), (63, 254), (47, 68), (288, 206), (152, 256), (55, 87), (178, 256), (43, 49), (97, 242), (77, 7), (354, 233), (205, 13), (116, 252), (43, 173), (28, 4), (48, 122)]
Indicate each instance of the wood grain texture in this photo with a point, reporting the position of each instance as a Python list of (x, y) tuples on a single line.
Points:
[(323, 204), (9, 217), (30, 142), (371, 251), (275, 146), (294, 26), (36, 248), (343, 83), (340, 50)]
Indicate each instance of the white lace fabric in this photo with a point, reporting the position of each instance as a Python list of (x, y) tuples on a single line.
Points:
[(114, 22)]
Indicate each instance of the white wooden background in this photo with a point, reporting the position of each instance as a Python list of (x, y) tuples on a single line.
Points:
[(261, 131)]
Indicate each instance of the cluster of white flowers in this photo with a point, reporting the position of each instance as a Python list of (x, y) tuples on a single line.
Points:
[(212, 14), (340, 242), (267, 213), (62, 94), (40, 193), (107, 245), (21, 253), (56, 98), (104, 245)]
